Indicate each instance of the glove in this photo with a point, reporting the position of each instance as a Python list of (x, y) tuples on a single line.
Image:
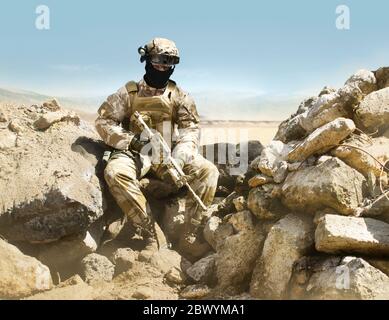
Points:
[(137, 144), (180, 162)]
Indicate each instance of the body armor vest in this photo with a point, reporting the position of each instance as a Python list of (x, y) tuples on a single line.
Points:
[(156, 111)]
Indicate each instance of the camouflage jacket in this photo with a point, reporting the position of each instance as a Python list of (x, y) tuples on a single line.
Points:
[(116, 109)]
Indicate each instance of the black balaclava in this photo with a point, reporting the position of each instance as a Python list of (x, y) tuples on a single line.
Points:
[(155, 78)]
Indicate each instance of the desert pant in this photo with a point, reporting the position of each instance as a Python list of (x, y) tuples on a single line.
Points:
[(122, 175)]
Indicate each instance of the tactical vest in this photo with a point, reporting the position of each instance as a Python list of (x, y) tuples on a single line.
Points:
[(156, 111)]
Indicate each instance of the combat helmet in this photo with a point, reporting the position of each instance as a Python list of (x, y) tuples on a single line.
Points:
[(160, 51)]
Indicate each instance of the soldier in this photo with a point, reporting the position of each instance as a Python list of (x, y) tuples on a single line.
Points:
[(160, 101)]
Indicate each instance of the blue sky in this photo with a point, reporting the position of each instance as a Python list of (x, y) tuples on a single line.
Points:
[(254, 47)]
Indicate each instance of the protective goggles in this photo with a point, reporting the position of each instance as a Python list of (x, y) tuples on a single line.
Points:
[(164, 59)]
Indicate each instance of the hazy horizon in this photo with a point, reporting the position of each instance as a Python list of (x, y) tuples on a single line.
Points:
[(211, 106)]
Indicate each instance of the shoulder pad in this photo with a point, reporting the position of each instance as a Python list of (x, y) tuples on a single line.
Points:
[(131, 86), (173, 82)]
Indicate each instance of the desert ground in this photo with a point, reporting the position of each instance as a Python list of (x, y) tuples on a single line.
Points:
[(237, 131)]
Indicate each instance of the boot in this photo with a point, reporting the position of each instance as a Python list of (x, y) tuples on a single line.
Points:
[(153, 241)]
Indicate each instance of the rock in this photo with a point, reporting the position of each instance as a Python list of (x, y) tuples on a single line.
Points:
[(351, 234), (175, 276), (48, 119), (281, 172), (378, 207), (124, 259), (331, 184), (74, 280), (21, 275), (352, 279), (291, 128), (143, 293), (215, 232), (271, 157), (51, 105), (7, 139), (303, 269), (173, 219), (322, 139), (365, 80), (372, 114), (3, 117), (319, 215), (197, 247), (63, 171), (97, 268), (333, 105), (287, 241), (242, 221), (379, 263), (165, 259), (203, 270), (64, 256), (263, 205), (359, 159), (326, 90), (236, 257), (323, 159), (196, 291), (240, 203), (382, 76), (254, 149), (297, 166), (259, 180), (16, 126)]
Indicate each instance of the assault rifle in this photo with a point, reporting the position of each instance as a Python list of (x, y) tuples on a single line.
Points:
[(173, 169)]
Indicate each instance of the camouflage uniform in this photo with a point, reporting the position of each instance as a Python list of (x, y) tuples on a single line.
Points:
[(125, 167)]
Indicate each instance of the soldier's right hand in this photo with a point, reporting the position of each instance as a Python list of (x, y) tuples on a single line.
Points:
[(137, 144)]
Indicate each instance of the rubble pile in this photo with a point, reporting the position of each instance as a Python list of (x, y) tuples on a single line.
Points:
[(308, 220), (317, 205)]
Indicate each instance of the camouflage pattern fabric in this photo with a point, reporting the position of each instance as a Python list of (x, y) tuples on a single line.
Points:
[(123, 171), (122, 175)]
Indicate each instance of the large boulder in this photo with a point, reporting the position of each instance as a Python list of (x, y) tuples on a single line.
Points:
[(363, 79), (291, 128), (331, 184), (336, 234), (304, 268), (271, 158), (236, 257), (215, 232), (64, 256), (262, 203), (287, 241), (340, 103), (361, 157), (322, 139), (382, 76), (50, 186), (203, 271), (21, 275), (372, 113), (352, 279)]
